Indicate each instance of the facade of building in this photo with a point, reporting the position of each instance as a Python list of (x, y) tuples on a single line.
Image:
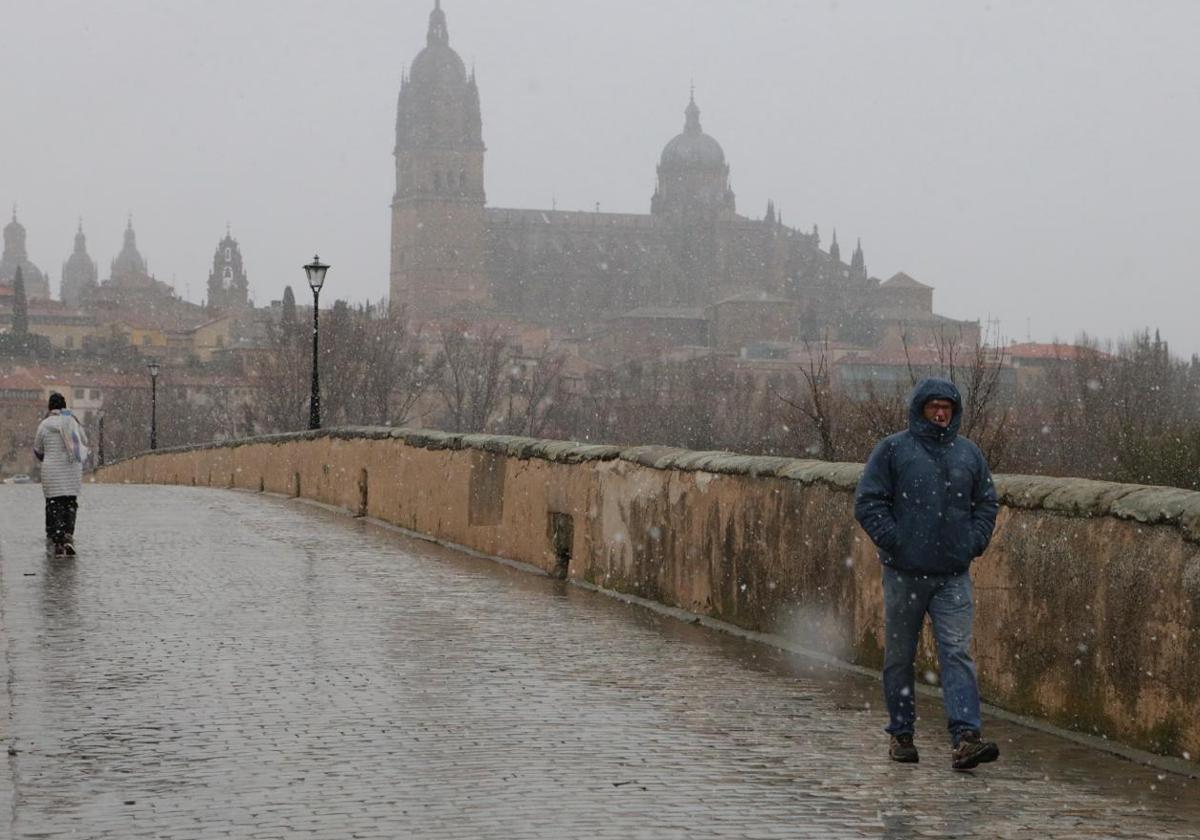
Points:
[(452, 255)]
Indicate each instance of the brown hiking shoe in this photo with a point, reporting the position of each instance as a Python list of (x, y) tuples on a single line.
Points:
[(903, 749), (973, 751)]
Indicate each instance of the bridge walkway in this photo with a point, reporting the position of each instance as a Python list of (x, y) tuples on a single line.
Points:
[(221, 664)]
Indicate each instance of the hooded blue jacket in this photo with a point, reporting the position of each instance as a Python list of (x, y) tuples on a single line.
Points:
[(926, 497)]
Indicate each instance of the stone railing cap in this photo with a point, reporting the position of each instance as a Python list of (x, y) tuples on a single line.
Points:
[(1068, 496)]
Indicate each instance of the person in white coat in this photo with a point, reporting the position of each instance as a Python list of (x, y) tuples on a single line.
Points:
[(61, 445)]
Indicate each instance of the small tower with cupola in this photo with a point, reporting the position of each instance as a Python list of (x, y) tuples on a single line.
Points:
[(228, 289)]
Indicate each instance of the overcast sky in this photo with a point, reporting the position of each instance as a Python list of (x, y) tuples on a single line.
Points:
[(1036, 162)]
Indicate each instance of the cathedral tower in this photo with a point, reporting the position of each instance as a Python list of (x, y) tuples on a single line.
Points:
[(79, 273), (438, 222), (37, 285), (129, 268), (693, 177), (695, 202), (228, 288)]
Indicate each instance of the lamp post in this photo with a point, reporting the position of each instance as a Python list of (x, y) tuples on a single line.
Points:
[(316, 279), (100, 446), (154, 367)]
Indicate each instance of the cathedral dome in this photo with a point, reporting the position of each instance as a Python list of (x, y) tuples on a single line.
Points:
[(438, 63), (693, 147), (14, 234)]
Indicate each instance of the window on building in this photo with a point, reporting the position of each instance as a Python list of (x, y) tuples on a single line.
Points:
[(228, 255), (228, 273), (78, 393), (462, 179), (145, 341), (69, 342), (437, 181), (94, 394)]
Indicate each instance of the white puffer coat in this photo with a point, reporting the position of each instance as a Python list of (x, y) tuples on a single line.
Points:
[(62, 475)]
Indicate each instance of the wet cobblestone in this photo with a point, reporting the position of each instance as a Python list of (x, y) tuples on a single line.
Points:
[(217, 664)]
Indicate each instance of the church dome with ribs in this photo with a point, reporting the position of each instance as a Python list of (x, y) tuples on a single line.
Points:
[(693, 147), (438, 63)]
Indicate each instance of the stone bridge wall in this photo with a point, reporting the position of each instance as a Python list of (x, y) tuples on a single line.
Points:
[(1088, 600)]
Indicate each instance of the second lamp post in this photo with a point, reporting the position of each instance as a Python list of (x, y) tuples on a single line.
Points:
[(316, 279), (153, 367)]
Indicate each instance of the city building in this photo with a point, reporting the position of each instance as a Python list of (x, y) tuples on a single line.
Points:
[(693, 265)]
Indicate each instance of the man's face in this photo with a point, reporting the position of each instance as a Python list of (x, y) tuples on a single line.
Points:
[(938, 412)]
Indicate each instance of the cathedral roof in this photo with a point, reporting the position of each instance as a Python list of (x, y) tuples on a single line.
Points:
[(14, 238), (15, 256), (693, 147), (14, 228), (129, 262), (438, 63), (79, 265)]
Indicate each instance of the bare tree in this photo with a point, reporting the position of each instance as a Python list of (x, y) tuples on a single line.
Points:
[(542, 393), (978, 370), (816, 405), (396, 375), (282, 374), (471, 363)]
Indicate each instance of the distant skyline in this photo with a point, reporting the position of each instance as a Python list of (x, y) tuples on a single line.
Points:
[(1033, 162)]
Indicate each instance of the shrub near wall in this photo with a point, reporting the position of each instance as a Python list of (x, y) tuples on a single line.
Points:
[(1088, 600)]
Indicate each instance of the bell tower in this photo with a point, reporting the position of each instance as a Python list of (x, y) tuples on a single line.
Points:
[(438, 223)]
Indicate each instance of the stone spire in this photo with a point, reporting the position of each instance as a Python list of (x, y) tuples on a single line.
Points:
[(439, 33), (835, 250), (691, 124), (858, 266)]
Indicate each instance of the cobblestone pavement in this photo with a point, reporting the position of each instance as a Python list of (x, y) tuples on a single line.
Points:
[(218, 664)]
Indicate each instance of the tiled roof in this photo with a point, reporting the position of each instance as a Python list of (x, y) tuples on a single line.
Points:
[(1055, 351)]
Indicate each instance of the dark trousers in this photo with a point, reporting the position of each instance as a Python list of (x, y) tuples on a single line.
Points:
[(60, 518)]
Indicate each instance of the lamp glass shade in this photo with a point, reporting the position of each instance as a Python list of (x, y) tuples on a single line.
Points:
[(154, 368), (316, 274)]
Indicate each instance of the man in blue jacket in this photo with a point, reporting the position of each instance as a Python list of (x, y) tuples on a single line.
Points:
[(927, 501)]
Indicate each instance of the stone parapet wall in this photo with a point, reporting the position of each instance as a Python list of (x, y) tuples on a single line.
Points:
[(1088, 599)]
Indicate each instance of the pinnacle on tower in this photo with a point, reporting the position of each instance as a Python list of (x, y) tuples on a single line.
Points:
[(439, 33), (692, 113), (835, 251), (770, 217)]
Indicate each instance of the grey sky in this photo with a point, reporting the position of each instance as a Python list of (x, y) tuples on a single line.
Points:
[(1034, 161)]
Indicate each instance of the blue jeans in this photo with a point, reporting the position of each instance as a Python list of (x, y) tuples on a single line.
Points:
[(949, 602)]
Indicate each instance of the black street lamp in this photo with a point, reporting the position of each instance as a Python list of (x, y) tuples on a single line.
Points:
[(154, 368), (316, 279), (100, 446)]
